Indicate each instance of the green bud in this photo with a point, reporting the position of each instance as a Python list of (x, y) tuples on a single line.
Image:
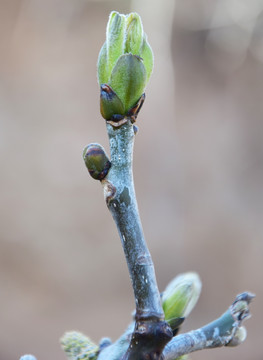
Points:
[(78, 346), (125, 64), (180, 297), (96, 161)]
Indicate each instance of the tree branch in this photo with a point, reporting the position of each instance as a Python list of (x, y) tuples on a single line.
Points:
[(124, 66), (121, 200), (221, 332)]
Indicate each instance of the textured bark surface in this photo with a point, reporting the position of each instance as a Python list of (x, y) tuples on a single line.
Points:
[(151, 333)]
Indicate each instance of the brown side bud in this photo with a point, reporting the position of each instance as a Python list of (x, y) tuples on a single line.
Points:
[(96, 161)]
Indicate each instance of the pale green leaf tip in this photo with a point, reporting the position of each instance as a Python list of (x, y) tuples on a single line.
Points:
[(134, 34), (181, 295)]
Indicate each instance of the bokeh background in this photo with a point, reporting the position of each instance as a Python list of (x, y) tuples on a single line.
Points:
[(198, 168)]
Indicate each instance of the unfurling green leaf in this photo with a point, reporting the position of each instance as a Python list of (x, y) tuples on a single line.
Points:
[(134, 34), (147, 55), (115, 37), (128, 79)]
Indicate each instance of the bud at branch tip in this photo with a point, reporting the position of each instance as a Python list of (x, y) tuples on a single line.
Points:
[(125, 64)]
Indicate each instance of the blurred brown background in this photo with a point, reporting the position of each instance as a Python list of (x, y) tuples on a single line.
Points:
[(198, 168)]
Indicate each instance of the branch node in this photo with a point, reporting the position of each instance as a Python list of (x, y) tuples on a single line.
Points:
[(149, 339), (109, 191), (239, 309)]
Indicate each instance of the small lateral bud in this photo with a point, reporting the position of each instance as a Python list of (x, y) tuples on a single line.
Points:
[(78, 346), (240, 309), (96, 161), (104, 342), (180, 297), (239, 337)]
